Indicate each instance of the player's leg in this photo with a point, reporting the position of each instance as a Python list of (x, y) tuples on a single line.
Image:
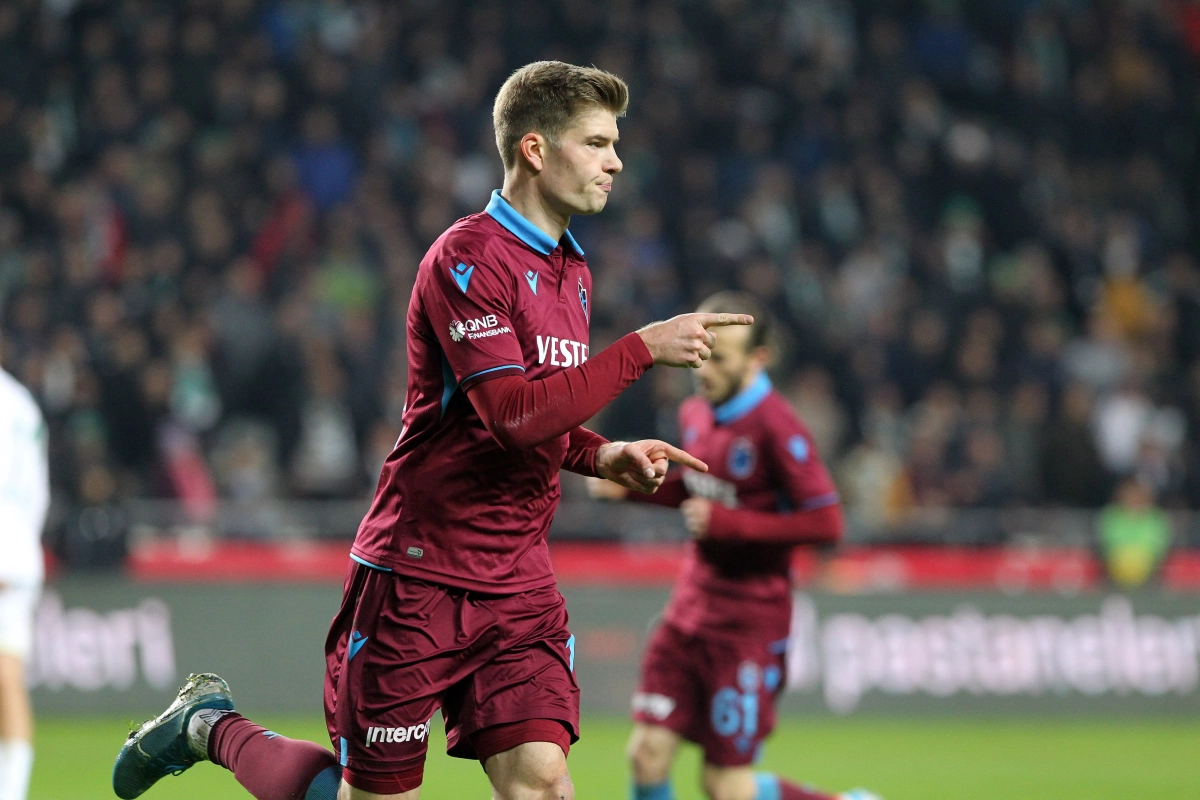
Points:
[(16, 714), (518, 710), (267, 765), (746, 783), (392, 652), (200, 725), (651, 752), (16, 728), (348, 792), (530, 771), (743, 681), (668, 707)]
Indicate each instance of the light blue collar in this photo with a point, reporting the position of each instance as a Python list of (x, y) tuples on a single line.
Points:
[(523, 229), (744, 401)]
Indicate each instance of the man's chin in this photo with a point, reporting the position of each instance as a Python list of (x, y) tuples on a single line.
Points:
[(593, 207)]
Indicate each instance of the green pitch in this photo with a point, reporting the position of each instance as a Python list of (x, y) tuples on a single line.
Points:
[(938, 759)]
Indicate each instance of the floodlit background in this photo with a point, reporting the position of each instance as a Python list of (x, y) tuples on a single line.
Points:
[(977, 221)]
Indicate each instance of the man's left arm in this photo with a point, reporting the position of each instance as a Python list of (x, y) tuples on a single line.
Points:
[(640, 466), (581, 452), (816, 513)]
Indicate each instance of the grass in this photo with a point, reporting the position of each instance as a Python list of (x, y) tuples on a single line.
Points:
[(902, 759)]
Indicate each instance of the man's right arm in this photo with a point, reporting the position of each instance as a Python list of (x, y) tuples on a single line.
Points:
[(521, 414)]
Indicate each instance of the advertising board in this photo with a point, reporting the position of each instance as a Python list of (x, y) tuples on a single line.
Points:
[(112, 646)]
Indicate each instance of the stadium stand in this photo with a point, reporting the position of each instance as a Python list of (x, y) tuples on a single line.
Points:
[(976, 220)]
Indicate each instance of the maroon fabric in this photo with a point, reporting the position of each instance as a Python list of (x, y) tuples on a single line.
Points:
[(581, 452), (792, 791), (764, 470), (453, 506), (398, 781), (719, 694), (269, 766), (521, 414), (822, 525), (498, 738), (484, 659)]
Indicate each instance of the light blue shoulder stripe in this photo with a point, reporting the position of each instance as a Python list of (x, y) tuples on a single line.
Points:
[(493, 369), (366, 563)]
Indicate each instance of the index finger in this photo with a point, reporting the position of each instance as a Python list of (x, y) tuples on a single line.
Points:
[(684, 458), (712, 320)]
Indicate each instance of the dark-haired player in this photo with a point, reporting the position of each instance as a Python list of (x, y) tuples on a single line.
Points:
[(451, 602), (715, 665)]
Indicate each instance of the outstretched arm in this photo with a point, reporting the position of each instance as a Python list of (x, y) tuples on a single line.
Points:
[(708, 520), (581, 452), (522, 414)]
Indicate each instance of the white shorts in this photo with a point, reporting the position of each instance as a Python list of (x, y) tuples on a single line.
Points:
[(17, 604)]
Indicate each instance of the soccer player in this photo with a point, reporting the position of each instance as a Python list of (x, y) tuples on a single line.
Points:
[(714, 667), (24, 498), (450, 601)]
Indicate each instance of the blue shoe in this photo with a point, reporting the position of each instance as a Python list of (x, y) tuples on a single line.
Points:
[(859, 794), (162, 745)]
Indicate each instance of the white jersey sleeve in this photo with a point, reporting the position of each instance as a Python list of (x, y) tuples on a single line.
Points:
[(24, 484)]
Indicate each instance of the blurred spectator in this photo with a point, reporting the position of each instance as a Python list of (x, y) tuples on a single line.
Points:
[(1072, 473), (1134, 535), (976, 223)]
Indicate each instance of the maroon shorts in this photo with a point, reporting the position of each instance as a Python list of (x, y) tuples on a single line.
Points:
[(401, 648), (717, 693)]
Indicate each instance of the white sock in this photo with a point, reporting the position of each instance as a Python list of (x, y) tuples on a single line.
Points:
[(16, 762), (199, 727)]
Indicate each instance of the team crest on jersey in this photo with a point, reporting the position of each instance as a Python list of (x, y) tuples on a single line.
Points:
[(583, 300), (742, 458)]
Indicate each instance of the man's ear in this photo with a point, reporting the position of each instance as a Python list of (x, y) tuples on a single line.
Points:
[(532, 149), (762, 355)]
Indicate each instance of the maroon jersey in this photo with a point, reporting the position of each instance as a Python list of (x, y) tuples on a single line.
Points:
[(736, 583), (494, 296)]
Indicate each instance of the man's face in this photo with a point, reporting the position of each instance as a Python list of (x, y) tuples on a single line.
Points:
[(577, 174), (725, 374)]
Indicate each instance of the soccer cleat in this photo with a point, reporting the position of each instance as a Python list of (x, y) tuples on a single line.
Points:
[(859, 794), (162, 746)]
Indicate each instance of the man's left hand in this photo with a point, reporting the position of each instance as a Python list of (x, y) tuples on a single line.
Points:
[(641, 466), (697, 513)]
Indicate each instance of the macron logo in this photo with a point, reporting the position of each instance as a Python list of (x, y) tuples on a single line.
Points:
[(562, 352), (531, 278), (413, 733), (357, 640), (462, 275)]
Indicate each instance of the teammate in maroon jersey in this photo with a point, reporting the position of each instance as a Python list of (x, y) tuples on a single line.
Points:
[(715, 665), (451, 601)]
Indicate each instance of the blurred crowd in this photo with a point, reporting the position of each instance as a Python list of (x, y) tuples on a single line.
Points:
[(976, 221)]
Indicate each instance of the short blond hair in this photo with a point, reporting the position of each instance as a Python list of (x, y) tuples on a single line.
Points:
[(545, 96)]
